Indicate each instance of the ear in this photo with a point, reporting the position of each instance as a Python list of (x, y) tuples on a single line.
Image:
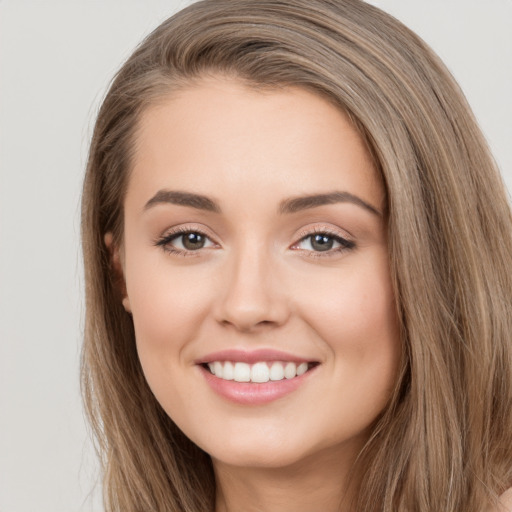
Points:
[(117, 269)]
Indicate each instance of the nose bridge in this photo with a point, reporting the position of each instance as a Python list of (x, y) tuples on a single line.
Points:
[(251, 294)]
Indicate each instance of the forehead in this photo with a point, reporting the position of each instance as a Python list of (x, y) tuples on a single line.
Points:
[(220, 137)]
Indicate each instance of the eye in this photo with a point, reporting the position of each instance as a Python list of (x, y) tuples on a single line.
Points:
[(189, 241), (182, 242), (323, 242)]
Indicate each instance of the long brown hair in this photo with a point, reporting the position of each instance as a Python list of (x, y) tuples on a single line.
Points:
[(444, 442)]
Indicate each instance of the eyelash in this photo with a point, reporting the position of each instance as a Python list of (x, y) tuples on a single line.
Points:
[(165, 241), (345, 244)]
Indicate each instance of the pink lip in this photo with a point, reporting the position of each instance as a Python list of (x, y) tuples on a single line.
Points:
[(251, 393), (251, 357)]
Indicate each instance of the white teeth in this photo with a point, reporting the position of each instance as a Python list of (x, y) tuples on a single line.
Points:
[(228, 372), (218, 367), (301, 369), (276, 371), (290, 370), (242, 372), (259, 372)]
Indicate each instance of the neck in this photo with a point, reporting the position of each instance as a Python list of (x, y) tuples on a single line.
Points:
[(316, 483)]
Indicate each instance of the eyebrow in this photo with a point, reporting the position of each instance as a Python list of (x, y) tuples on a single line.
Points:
[(197, 201), (292, 205), (296, 204)]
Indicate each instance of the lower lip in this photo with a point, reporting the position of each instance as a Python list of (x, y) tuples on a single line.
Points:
[(252, 393)]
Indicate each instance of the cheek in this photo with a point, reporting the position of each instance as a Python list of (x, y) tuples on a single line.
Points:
[(356, 320), (168, 304), (168, 307), (354, 313)]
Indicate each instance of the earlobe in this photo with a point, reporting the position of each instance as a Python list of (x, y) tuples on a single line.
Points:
[(126, 304), (116, 266)]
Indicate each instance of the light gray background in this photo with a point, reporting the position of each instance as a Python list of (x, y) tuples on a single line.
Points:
[(56, 58)]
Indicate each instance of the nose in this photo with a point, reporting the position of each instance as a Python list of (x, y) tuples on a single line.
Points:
[(251, 296)]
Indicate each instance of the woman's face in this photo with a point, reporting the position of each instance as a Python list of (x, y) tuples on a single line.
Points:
[(255, 245)]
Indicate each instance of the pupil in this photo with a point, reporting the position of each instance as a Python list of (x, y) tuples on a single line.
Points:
[(193, 241), (322, 242)]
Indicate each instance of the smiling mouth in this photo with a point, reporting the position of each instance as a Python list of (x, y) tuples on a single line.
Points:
[(259, 372)]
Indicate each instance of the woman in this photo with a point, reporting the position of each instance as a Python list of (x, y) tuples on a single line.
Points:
[(297, 252)]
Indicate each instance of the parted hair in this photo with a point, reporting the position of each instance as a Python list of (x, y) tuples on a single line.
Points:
[(444, 441)]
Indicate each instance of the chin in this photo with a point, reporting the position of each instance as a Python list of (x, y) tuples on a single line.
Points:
[(259, 457)]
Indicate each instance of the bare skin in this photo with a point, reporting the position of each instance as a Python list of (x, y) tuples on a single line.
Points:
[(224, 249), (256, 490)]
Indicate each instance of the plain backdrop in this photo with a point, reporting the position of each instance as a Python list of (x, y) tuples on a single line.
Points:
[(56, 59)]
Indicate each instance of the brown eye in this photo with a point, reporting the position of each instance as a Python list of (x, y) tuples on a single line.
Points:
[(193, 241), (321, 242), (185, 241), (324, 242)]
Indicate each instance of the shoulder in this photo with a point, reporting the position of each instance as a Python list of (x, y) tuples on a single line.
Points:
[(505, 502)]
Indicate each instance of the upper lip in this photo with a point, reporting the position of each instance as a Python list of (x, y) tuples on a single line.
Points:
[(252, 356)]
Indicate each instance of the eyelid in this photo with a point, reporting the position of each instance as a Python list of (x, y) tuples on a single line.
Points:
[(341, 236), (323, 228), (171, 233), (344, 238)]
